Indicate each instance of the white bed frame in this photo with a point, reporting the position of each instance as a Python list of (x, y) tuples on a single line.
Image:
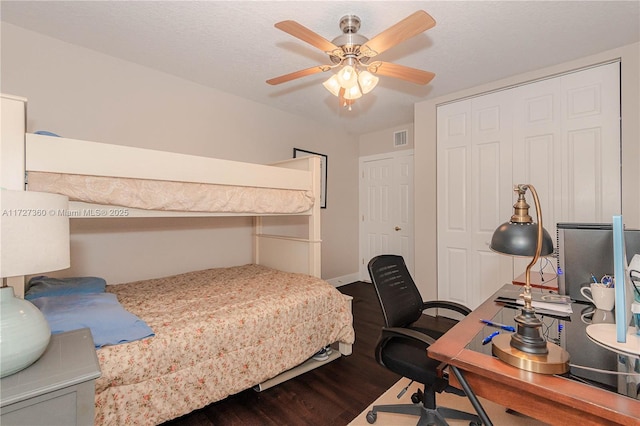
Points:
[(21, 152)]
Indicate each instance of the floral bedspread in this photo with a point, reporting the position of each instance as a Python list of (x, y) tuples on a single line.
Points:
[(218, 332)]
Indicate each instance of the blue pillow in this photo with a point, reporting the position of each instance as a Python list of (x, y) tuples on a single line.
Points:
[(109, 322), (46, 133), (42, 286)]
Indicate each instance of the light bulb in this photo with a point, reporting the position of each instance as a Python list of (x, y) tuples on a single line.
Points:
[(367, 81), (347, 77), (332, 85)]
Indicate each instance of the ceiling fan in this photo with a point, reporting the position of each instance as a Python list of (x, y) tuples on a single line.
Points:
[(353, 52)]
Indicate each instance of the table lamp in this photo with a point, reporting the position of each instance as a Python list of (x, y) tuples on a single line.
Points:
[(526, 348), (34, 238)]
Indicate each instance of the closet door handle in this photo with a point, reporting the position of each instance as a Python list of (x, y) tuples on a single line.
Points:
[(397, 228)]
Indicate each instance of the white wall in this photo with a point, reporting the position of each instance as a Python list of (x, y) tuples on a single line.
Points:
[(425, 153), (381, 142), (82, 94)]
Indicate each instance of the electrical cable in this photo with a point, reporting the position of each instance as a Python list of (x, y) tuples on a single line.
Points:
[(617, 373)]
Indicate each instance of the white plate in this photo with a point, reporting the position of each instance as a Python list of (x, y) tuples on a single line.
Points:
[(605, 335)]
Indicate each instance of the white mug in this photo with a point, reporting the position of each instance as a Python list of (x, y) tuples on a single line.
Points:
[(600, 295)]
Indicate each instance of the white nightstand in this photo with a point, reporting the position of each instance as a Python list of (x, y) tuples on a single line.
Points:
[(58, 389)]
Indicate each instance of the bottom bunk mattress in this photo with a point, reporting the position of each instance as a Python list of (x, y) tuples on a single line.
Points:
[(217, 332)]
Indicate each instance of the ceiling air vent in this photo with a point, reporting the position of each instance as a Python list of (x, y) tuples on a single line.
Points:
[(400, 138)]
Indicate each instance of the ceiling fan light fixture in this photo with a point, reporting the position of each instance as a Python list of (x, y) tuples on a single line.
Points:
[(332, 85), (367, 81), (353, 52)]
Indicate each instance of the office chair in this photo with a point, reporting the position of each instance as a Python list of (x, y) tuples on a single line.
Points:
[(402, 347)]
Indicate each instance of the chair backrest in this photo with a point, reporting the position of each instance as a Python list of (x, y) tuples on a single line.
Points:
[(399, 297)]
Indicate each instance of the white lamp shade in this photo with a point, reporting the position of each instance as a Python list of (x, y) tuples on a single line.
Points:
[(34, 238), (367, 81), (332, 85), (347, 77), (34, 233), (353, 93)]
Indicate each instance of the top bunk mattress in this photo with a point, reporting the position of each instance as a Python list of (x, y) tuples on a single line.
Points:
[(162, 195), (149, 180)]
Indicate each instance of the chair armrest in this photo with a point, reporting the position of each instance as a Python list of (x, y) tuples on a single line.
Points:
[(446, 305), (407, 333)]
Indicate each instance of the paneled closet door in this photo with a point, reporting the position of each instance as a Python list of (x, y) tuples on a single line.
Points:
[(567, 143), (591, 145), (559, 134), (491, 189), (538, 156), (474, 184), (454, 218)]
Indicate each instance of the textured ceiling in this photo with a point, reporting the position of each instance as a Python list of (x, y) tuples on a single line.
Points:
[(234, 47)]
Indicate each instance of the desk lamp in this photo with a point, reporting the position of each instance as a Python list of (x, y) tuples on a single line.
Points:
[(34, 236), (526, 348)]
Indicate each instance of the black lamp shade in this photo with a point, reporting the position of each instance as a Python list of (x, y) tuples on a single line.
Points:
[(519, 239)]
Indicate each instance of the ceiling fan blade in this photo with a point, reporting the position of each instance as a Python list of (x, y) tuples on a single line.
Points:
[(299, 74), (305, 34), (410, 26), (389, 69)]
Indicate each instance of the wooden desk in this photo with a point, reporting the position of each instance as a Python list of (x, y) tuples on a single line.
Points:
[(551, 399)]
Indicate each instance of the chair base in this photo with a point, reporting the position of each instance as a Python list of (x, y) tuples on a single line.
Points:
[(428, 416)]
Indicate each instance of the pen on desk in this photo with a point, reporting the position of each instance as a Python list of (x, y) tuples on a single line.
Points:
[(498, 325), (490, 337)]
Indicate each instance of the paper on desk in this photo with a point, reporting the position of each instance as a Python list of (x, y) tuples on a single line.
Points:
[(549, 306), (540, 300)]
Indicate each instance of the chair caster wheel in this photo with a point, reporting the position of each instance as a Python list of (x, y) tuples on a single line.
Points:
[(371, 417), (417, 396)]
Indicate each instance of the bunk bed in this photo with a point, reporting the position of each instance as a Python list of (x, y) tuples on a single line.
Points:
[(218, 331)]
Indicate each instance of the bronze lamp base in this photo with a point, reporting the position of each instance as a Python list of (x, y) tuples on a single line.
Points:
[(555, 361)]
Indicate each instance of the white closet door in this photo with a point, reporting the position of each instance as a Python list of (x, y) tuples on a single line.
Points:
[(560, 134), (537, 154), (591, 145), (454, 214), (491, 189), (474, 187), (567, 144)]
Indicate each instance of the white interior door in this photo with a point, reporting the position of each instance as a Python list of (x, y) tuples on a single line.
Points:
[(386, 208)]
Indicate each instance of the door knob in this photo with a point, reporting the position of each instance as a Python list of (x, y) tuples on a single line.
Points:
[(397, 228)]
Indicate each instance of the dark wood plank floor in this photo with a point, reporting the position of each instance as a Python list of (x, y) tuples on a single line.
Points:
[(331, 395)]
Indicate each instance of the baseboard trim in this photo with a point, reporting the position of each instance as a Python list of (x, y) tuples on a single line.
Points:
[(343, 280)]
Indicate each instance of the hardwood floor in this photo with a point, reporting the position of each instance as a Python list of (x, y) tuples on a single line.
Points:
[(332, 395)]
